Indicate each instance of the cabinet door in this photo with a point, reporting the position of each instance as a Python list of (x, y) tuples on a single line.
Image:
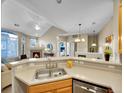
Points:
[(64, 90), (43, 88)]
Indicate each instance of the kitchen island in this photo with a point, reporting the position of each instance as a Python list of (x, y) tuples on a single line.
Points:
[(90, 70)]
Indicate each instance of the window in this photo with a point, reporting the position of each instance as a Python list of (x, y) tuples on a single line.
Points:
[(62, 48), (9, 44), (33, 42)]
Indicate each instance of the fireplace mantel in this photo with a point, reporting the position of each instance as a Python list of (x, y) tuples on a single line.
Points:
[(36, 48), (36, 51)]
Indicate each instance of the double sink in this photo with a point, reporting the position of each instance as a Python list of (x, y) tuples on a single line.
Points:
[(49, 73)]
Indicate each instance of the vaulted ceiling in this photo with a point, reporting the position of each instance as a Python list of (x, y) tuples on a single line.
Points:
[(47, 13), (25, 19)]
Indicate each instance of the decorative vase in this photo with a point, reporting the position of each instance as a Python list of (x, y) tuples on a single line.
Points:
[(107, 56)]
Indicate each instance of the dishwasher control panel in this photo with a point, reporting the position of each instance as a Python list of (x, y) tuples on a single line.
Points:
[(86, 87)]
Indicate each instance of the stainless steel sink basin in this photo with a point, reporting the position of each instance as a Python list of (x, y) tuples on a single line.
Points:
[(49, 73)]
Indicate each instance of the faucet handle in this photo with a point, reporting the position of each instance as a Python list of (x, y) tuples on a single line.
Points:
[(36, 74), (47, 66), (55, 65)]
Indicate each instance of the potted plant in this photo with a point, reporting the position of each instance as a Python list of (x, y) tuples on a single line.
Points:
[(107, 53)]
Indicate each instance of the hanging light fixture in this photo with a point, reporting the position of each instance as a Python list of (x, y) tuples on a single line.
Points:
[(59, 1), (93, 44), (79, 39), (83, 40)]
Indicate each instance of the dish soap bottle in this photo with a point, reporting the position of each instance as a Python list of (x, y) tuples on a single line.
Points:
[(69, 64)]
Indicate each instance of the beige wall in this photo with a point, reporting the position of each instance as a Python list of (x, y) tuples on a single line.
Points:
[(27, 47), (27, 44), (51, 37), (106, 31), (82, 46), (115, 31), (109, 29)]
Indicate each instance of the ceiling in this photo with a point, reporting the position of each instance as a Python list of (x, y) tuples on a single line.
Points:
[(66, 16), (14, 13)]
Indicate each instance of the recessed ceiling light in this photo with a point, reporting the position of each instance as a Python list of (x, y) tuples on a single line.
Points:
[(37, 27)]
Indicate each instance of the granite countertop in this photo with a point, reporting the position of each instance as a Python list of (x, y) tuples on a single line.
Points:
[(96, 76)]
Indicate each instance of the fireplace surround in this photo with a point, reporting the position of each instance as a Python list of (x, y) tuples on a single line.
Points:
[(35, 53)]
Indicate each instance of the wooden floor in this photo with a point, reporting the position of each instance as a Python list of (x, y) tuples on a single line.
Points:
[(7, 90)]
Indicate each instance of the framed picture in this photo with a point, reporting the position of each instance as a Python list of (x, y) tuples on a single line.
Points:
[(109, 39)]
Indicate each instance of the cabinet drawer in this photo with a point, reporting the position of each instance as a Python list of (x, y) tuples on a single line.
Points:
[(49, 86), (65, 90), (50, 92)]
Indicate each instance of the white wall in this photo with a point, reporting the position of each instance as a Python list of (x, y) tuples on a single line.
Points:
[(51, 37)]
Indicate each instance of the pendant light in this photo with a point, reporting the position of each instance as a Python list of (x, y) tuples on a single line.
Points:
[(82, 39), (59, 1), (94, 43), (79, 39)]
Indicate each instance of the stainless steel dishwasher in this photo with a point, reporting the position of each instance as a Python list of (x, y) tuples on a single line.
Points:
[(86, 87)]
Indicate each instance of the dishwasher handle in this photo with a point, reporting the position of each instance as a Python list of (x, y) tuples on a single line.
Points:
[(86, 88)]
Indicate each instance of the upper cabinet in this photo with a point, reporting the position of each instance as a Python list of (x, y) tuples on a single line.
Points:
[(120, 28)]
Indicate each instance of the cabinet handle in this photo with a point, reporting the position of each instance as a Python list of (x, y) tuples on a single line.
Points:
[(85, 88)]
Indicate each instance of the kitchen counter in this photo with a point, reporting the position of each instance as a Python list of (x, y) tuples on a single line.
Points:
[(92, 75), (91, 60)]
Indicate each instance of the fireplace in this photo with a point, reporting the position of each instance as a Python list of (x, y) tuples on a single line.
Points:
[(35, 53)]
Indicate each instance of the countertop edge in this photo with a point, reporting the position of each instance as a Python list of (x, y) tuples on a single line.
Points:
[(91, 60)]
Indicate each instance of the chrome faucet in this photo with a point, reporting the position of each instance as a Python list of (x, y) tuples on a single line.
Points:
[(36, 74), (50, 65)]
